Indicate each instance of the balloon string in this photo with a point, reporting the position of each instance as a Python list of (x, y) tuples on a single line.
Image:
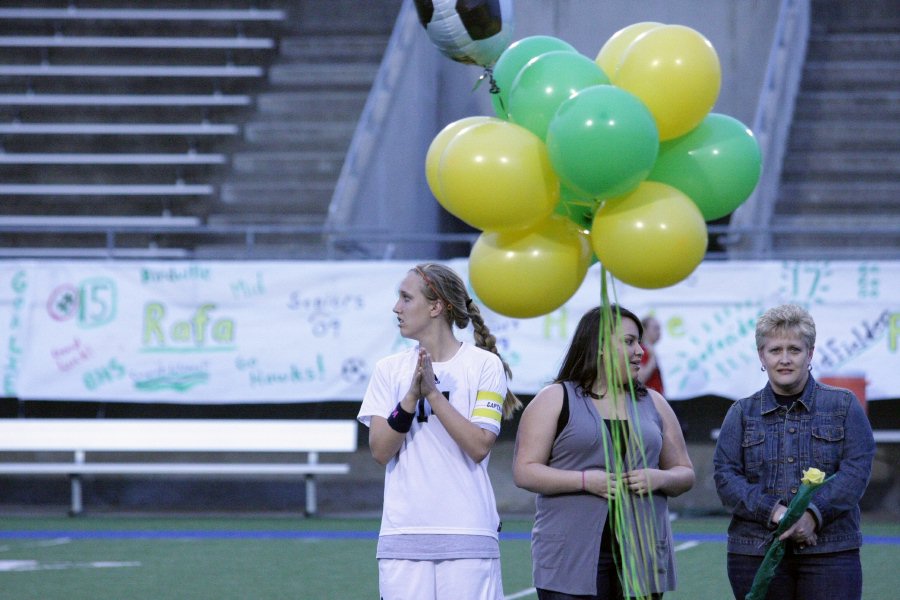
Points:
[(495, 89), (489, 73)]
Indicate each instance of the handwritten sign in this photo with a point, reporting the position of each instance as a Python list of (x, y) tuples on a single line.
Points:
[(260, 331)]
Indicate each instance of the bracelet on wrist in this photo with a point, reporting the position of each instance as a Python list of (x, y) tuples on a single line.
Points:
[(400, 420)]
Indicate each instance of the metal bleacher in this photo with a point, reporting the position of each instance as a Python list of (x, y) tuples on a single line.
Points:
[(200, 129), (115, 121), (829, 189)]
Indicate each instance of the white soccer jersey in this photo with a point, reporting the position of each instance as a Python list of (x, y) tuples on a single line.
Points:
[(431, 485)]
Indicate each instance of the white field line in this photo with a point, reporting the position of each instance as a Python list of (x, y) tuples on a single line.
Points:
[(686, 545), (33, 565), (53, 542)]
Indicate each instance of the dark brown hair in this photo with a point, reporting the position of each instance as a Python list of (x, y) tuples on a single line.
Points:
[(581, 364)]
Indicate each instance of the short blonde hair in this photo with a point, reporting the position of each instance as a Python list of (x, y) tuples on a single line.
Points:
[(787, 318)]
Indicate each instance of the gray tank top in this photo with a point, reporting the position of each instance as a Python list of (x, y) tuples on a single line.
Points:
[(565, 542)]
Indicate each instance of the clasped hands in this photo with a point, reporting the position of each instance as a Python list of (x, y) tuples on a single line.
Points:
[(803, 532), (607, 485), (423, 379)]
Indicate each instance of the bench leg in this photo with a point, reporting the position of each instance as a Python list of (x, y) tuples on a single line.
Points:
[(310, 496), (75, 484), (312, 458), (76, 506)]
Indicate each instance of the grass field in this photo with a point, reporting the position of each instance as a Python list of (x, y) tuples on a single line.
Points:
[(105, 557)]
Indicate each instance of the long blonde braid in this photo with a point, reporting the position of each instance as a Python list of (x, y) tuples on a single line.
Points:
[(485, 339)]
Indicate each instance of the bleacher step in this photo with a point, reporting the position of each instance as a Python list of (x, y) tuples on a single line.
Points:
[(331, 135), (854, 46), (837, 197), (842, 165), (826, 134), (302, 165), (848, 107), (283, 196), (852, 75), (342, 17), (311, 105), (872, 16), (328, 48), (327, 76), (95, 222)]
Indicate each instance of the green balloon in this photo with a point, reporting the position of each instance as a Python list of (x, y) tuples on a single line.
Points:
[(602, 142), (547, 81), (514, 58), (579, 210), (716, 164), (576, 208)]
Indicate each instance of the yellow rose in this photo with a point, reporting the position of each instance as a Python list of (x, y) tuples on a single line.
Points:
[(813, 476)]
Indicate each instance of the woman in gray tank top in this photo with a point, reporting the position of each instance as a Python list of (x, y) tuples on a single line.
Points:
[(602, 466)]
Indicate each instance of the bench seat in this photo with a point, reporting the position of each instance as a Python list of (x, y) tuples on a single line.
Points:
[(171, 468)]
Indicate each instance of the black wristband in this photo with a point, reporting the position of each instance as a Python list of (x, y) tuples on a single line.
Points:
[(400, 420)]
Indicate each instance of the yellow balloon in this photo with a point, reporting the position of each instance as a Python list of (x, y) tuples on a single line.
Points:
[(611, 53), (528, 273), (675, 71), (651, 238), (439, 144), (497, 176)]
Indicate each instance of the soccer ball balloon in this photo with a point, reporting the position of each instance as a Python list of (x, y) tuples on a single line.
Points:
[(468, 31)]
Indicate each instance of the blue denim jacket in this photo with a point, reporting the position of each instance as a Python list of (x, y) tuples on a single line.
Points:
[(763, 449)]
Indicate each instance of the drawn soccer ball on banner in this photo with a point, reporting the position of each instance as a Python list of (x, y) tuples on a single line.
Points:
[(468, 31)]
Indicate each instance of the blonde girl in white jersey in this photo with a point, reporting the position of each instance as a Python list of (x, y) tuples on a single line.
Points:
[(434, 413)]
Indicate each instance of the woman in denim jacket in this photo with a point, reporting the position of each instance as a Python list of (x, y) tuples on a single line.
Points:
[(766, 441)]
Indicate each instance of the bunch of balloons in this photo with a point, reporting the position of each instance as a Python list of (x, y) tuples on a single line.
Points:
[(616, 158)]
